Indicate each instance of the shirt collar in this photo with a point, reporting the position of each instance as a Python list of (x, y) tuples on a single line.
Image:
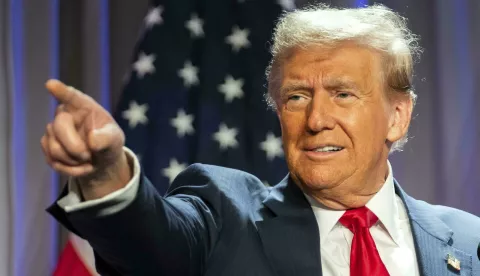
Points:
[(383, 205)]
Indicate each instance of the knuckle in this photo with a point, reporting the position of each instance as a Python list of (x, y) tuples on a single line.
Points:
[(56, 150), (44, 145), (63, 122), (61, 118), (49, 129), (43, 141), (59, 153), (60, 108)]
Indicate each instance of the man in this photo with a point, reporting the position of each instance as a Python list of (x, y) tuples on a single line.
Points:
[(340, 83)]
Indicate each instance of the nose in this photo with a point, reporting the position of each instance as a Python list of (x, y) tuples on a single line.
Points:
[(319, 114)]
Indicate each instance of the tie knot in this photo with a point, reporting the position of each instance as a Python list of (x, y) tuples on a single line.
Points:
[(355, 219)]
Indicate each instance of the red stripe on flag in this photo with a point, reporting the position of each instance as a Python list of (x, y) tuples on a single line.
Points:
[(70, 263)]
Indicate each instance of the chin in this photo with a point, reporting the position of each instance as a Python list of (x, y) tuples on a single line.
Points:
[(320, 176)]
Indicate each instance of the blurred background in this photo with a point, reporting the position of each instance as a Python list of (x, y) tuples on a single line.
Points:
[(159, 67)]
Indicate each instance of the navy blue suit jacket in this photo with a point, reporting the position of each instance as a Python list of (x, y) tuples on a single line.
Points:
[(217, 221)]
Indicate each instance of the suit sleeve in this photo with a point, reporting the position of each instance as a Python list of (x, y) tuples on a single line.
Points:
[(152, 235), (108, 204)]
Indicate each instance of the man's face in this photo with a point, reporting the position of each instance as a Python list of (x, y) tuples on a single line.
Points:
[(337, 121)]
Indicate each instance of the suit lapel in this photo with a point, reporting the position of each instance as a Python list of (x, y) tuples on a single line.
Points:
[(290, 239), (433, 240)]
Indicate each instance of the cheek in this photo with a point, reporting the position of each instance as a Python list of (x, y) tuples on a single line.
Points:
[(292, 127), (366, 127)]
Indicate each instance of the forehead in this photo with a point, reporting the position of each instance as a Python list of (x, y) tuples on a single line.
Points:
[(346, 62)]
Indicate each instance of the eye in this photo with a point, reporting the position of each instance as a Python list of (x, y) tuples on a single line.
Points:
[(295, 98), (343, 95), (297, 102)]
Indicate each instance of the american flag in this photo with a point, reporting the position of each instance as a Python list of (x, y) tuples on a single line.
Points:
[(195, 90)]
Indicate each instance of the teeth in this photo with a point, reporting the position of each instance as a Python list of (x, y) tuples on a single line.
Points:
[(328, 148)]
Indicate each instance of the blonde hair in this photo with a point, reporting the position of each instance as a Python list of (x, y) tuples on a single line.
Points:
[(376, 27)]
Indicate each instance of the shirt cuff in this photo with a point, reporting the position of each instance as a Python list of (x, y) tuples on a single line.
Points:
[(111, 203)]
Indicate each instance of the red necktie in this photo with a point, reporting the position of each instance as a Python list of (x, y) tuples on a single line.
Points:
[(364, 257)]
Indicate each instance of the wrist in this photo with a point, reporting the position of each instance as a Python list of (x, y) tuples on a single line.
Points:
[(111, 179)]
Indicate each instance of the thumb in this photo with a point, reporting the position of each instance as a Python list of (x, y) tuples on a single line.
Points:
[(107, 138)]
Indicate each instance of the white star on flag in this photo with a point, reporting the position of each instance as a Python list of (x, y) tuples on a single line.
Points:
[(189, 74), (144, 65), (183, 123), (195, 25), (232, 88), (238, 39), (154, 17), (226, 137), (173, 169), (136, 114), (272, 146), (288, 5)]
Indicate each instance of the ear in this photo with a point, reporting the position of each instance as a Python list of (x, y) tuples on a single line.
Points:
[(400, 117)]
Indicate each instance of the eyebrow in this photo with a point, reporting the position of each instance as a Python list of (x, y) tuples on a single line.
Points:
[(294, 87), (336, 83), (329, 83)]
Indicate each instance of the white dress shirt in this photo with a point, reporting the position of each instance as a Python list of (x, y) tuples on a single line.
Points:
[(392, 233), (113, 202)]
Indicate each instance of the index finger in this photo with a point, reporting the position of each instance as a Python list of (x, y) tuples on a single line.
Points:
[(66, 94)]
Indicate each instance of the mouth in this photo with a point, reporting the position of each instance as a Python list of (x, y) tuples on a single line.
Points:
[(327, 149), (324, 151)]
